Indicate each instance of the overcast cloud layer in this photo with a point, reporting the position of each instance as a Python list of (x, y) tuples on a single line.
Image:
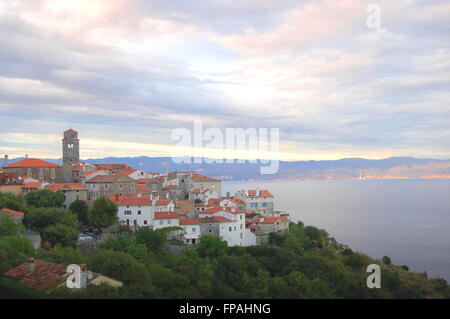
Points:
[(124, 73)]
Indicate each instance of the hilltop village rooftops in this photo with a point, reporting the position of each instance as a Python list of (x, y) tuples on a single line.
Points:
[(109, 179), (65, 186), (31, 162), (217, 209), (131, 200), (190, 221), (166, 215), (270, 220), (258, 193), (201, 178), (217, 201)]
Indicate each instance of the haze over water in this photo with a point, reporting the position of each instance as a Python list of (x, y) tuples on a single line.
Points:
[(408, 220)]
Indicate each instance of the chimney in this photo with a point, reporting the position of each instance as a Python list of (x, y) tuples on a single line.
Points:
[(6, 161), (84, 275), (30, 266)]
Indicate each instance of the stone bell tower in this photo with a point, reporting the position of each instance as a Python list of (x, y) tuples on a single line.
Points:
[(71, 147)]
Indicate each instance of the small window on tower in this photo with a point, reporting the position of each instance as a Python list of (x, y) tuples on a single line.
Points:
[(69, 145)]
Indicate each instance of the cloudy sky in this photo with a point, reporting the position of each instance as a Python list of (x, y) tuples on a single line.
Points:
[(125, 73)]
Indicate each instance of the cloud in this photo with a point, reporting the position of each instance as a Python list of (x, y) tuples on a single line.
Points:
[(132, 71)]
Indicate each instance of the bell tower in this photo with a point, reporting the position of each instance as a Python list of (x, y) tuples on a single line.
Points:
[(71, 147)]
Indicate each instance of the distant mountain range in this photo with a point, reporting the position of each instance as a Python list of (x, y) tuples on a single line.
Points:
[(348, 168)]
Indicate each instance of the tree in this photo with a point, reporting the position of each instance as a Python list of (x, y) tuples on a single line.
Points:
[(386, 260), (153, 240), (119, 265), (211, 246), (63, 255), (41, 218), (9, 227), (14, 202), (61, 234), (81, 210), (103, 213), (127, 244), (45, 198), (14, 250)]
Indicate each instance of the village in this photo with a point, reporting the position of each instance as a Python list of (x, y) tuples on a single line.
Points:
[(189, 203)]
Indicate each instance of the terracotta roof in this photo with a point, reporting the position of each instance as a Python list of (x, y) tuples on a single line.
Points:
[(261, 192), (131, 200), (32, 185), (270, 220), (112, 167), (70, 131), (215, 219), (47, 276), (144, 180), (103, 179), (143, 188), (166, 215), (232, 210), (90, 173), (65, 186), (217, 201), (201, 178), (193, 221), (12, 212), (212, 210), (127, 172), (31, 162), (163, 202)]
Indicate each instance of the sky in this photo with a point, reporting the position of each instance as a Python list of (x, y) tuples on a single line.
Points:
[(126, 73)]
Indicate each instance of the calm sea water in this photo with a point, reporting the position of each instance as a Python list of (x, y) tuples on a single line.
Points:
[(408, 220)]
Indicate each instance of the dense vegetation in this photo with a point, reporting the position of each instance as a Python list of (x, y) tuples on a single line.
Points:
[(304, 262)]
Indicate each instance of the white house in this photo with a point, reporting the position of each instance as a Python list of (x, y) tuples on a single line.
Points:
[(165, 219), (191, 228), (134, 210), (163, 205)]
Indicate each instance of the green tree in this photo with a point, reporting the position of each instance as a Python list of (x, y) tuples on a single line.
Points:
[(14, 202), (62, 255), (9, 227), (103, 213), (211, 246), (61, 234), (14, 250), (41, 218), (127, 244), (81, 210), (45, 198), (153, 240), (120, 266), (386, 260)]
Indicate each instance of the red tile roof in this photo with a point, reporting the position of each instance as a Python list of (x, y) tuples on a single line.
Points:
[(127, 172), (163, 202), (212, 210), (70, 131), (143, 188), (201, 178), (32, 185), (12, 212), (131, 200), (192, 221), (112, 167), (31, 162), (47, 276), (262, 193), (270, 220), (144, 180), (216, 219), (65, 186), (90, 173), (166, 215)]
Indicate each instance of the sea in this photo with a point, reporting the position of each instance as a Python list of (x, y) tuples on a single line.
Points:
[(407, 220)]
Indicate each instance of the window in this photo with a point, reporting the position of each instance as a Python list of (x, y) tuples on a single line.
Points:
[(230, 228), (193, 229), (139, 212), (241, 217), (234, 228), (265, 205), (241, 226), (145, 222), (161, 221), (169, 221)]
